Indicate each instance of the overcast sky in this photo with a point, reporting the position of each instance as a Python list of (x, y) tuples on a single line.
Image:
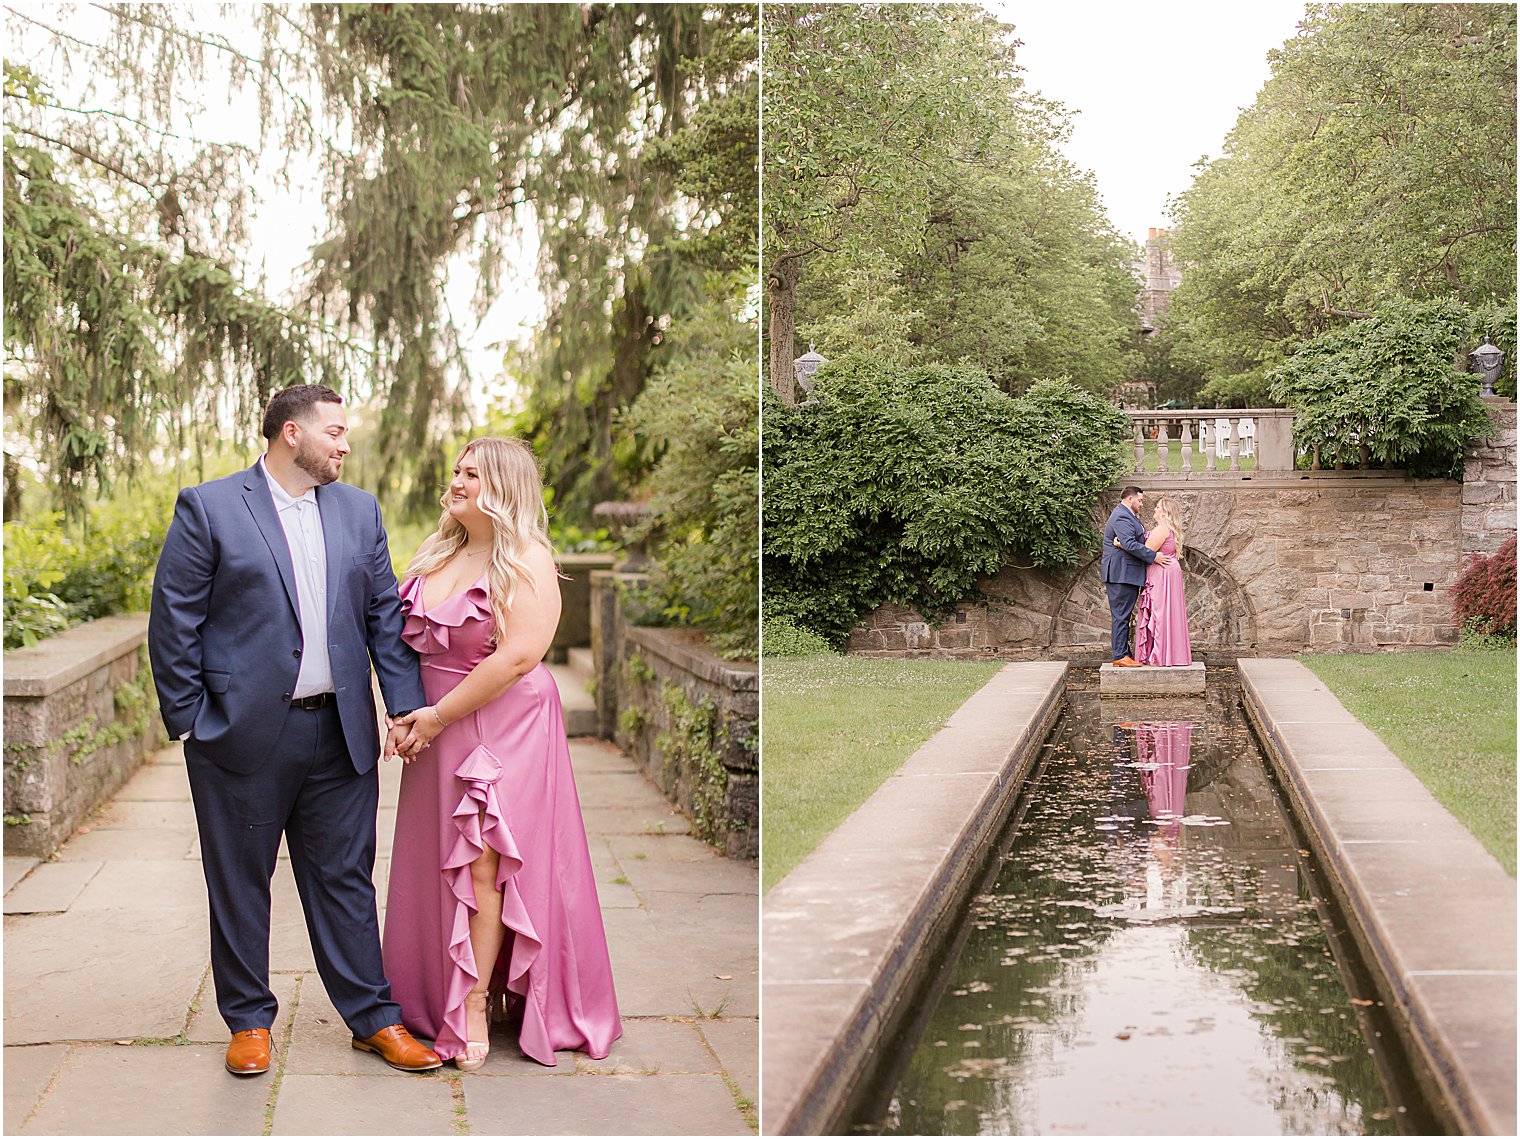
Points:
[(1156, 86)]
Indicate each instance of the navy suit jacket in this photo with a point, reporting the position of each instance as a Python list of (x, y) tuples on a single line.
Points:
[(1126, 566), (224, 632)]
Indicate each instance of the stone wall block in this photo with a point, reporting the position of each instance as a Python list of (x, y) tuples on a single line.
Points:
[(1480, 493)]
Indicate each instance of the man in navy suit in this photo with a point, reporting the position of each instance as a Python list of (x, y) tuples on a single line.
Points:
[(273, 594), (1124, 567)]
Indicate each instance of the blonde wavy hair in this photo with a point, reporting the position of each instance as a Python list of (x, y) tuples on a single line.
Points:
[(1170, 511), (512, 496)]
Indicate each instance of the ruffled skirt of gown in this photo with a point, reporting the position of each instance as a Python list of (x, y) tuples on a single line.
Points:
[(501, 777), (1161, 628)]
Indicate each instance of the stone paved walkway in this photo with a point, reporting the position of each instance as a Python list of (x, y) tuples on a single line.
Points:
[(111, 1024)]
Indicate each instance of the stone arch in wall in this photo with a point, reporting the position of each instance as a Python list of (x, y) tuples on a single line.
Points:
[(1220, 615)]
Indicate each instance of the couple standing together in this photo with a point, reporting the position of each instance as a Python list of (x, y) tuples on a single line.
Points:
[(1143, 577), (273, 596)]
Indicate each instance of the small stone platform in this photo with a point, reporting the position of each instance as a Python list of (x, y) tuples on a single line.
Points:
[(1152, 680)]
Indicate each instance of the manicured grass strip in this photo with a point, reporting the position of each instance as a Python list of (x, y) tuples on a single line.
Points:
[(833, 729), (1174, 462), (1450, 716)]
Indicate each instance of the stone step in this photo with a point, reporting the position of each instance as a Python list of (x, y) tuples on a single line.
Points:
[(1151, 680), (580, 709)]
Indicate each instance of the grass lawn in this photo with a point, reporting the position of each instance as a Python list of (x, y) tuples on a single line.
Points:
[(1450, 716), (1174, 461), (833, 728)]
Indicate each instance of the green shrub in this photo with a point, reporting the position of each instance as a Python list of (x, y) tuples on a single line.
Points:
[(906, 485), (1385, 390), (700, 413), (779, 637), (58, 573), (1476, 638)]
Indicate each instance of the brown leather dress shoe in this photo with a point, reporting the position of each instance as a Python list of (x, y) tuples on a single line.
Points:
[(248, 1053), (400, 1049), (1127, 662)]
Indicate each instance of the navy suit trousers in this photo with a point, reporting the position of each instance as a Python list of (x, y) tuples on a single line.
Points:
[(1121, 606), (308, 790)]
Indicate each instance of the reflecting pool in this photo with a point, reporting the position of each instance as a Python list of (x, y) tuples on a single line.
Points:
[(1148, 956)]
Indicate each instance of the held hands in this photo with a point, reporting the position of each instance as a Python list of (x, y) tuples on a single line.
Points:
[(411, 733)]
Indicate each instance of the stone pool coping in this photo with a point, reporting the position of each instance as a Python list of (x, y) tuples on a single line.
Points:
[(844, 932), (1433, 912)]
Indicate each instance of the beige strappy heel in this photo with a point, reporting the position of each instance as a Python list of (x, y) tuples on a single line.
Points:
[(473, 1058)]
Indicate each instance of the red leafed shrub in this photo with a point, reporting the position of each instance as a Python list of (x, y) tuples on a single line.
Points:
[(1484, 596)]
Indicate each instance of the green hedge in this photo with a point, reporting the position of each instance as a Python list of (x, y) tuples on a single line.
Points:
[(908, 484), (58, 573), (1385, 390)]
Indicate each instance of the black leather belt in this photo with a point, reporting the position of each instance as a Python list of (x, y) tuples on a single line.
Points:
[(312, 703)]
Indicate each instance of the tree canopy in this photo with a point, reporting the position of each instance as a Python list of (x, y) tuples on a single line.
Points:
[(1377, 163), (611, 132), (917, 205)]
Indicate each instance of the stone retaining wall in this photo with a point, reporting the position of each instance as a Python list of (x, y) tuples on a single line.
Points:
[(688, 717), (80, 716), (1488, 485), (1318, 561)]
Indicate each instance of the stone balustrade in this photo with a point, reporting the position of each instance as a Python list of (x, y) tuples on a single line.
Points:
[(1214, 442)]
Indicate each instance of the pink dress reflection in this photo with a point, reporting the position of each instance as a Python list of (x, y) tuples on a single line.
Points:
[(500, 776), (1170, 746), (1161, 630)]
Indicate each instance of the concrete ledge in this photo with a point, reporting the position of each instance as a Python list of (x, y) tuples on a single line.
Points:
[(688, 650), (1433, 912), (846, 931), (58, 661), (1148, 680)]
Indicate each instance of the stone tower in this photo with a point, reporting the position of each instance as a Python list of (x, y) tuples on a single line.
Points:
[(1161, 277)]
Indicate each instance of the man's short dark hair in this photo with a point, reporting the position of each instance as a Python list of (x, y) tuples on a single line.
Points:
[(295, 403), (1129, 491)]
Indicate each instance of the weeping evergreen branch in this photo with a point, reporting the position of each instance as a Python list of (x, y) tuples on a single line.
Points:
[(473, 123)]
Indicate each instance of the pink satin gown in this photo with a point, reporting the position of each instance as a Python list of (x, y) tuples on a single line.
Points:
[(499, 776), (1161, 629)]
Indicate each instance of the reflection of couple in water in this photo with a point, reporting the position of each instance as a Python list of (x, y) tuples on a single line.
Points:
[(1142, 574), (1161, 752)]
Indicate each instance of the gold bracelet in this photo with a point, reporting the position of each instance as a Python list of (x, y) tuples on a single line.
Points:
[(439, 718)]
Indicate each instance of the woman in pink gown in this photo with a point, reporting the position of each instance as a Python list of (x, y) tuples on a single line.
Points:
[(1161, 629), (491, 889)]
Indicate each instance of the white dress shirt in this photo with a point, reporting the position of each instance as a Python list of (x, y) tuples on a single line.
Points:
[(302, 522)]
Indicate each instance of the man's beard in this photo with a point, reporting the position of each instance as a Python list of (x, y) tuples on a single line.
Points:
[(317, 464)]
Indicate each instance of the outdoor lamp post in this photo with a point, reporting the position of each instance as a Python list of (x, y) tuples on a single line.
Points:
[(804, 367), (1488, 362)]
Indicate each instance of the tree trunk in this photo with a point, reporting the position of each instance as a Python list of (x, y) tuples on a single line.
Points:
[(781, 285), (12, 488)]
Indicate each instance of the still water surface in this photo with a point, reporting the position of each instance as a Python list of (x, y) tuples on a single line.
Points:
[(1150, 958)]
